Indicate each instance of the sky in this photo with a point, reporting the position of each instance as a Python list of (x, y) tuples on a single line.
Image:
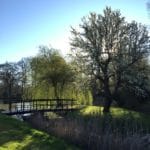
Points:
[(27, 24)]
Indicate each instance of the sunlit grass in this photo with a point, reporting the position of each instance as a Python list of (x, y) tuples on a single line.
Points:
[(16, 135), (114, 111), (115, 115), (90, 110)]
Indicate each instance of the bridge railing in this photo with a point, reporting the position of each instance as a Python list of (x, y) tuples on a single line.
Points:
[(40, 104)]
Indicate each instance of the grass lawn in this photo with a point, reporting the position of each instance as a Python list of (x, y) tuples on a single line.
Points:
[(17, 135), (115, 112)]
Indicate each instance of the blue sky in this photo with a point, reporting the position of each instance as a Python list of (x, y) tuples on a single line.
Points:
[(26, 24)]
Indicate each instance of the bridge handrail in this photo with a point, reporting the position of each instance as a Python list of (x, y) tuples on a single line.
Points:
[(22, 106), (14, 100)]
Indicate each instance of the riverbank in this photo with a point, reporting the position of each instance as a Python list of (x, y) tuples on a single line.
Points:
[(92, 130)]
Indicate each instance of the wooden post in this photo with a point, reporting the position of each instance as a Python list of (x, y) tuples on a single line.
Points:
[(62, 104), (71, 103), (23, 104), (36, 104), (47, 104), (32, 104), (10, 106), (67, 103)]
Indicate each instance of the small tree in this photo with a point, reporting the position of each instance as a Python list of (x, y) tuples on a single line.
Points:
[(51, 68), (9, 80), (24, 76)]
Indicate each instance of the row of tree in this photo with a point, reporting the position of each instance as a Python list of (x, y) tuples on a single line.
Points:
[(109, 61), (47, 75)]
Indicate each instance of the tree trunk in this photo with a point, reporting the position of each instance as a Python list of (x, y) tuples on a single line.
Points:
[(107, 105), (108, 96)]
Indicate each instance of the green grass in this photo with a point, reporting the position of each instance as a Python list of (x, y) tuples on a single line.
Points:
[(17, 135), (114, 112)]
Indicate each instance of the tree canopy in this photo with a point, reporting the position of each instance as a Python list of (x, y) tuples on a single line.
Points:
[(108, 47), (51, 68)]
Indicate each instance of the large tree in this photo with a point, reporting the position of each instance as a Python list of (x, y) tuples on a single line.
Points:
[(106, 46)]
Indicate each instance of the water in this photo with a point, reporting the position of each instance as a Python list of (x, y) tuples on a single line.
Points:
[(19, 107)]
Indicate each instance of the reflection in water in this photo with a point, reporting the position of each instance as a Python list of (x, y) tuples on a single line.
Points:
[(22, 106)]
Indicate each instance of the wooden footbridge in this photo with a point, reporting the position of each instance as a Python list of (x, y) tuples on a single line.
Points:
[(16, 106)]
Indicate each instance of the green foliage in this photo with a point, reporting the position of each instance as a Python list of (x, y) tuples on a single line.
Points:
[(53, 77), (106, 47), (51, 70)]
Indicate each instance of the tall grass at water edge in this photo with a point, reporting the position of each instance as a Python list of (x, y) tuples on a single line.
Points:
[(93, 130)]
